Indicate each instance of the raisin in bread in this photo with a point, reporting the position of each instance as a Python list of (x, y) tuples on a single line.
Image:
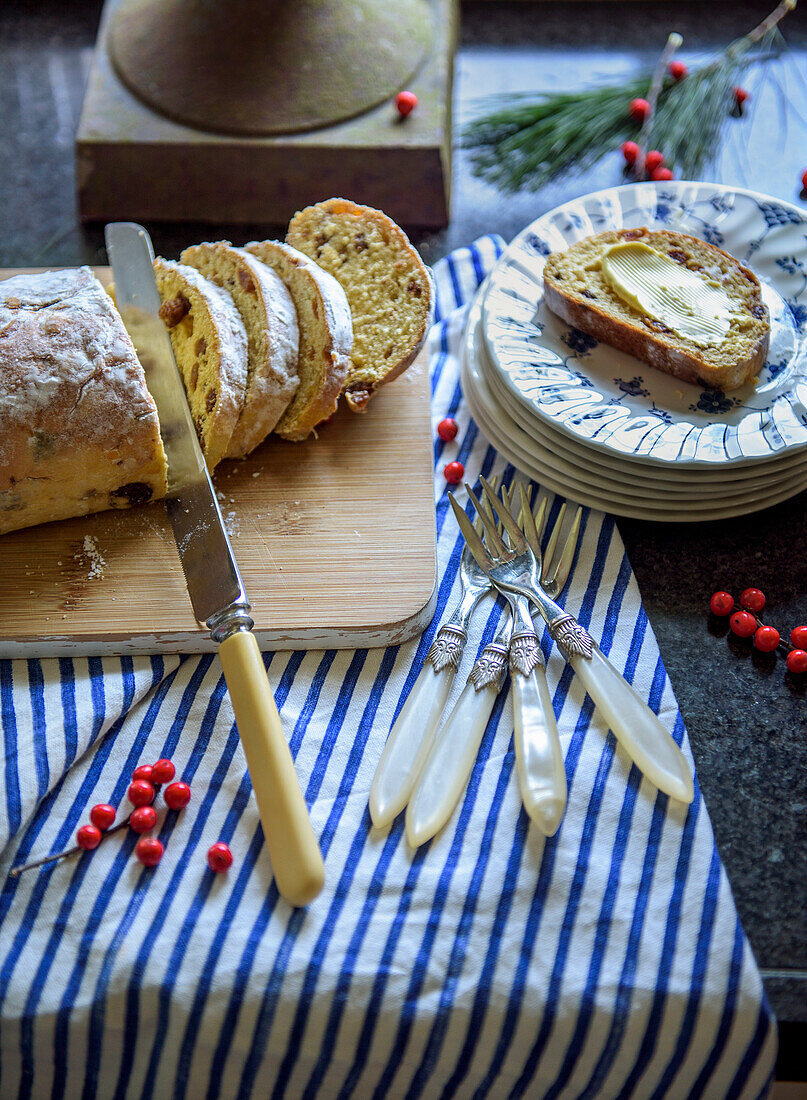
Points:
[(210, 347), (577, 291), (326, 336), (388, 287), (79, 428), (270, 319)]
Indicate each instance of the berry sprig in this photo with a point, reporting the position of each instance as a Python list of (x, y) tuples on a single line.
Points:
[(147, 781), (744, 621), (651, 164)]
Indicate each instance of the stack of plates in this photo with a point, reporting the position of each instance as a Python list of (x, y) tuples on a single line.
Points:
[(605, 429)]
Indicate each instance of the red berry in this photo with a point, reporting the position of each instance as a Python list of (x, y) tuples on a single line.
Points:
[(140, 793), (177, 795), (653, 160), (661, 174), (447, 429), (163, 771), (721, 603), (149, 850), (219, 857), (88, 837), (740, 96), (743, 624), (454, 472), (798, 637), (766, 639), (405, 103), (804, 179), (143, 819), (630, 151), (752, 600), (144, 771), (102, 815), (677, 70), (796, 660), (639, 109)]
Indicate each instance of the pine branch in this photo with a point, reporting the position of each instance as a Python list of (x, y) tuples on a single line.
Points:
[(527, 143)]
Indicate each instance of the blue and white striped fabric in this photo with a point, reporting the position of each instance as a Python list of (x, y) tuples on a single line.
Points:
[(608, 961)]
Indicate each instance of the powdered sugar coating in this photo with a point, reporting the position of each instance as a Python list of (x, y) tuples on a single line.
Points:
[(79, 428)]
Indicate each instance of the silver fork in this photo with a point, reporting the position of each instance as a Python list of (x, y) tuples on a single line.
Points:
[(413, 731), (445, 774), (516, 569)]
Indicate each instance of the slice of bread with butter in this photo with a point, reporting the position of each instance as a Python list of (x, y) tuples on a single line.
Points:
[(681, 305)]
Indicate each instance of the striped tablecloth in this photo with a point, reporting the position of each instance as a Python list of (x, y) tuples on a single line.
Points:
[(608, 961)]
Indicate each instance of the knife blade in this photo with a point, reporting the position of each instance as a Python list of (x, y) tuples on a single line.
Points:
[(215, 587)]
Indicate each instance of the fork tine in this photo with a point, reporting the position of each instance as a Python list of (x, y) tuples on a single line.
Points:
[(561, 571), (527, 521), (488, 522), (511, 527), (477, 522), (472, 539), (555, 534), (540, 517), (488, 512), (508, 492)]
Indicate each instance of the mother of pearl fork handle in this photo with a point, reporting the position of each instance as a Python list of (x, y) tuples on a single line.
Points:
[(640, 732), (539, 757), (413, 731), (448, 766)]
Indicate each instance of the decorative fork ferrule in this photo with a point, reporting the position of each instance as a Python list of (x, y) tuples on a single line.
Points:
[(447, 647), (490, 667), (525, 653), (571, 637)]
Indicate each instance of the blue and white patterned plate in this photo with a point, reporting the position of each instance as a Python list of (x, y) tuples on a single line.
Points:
[(605, 399), (615, 487)]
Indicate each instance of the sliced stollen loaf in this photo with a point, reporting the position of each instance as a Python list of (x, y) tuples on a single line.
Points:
[(210, 347), (270, 319), (326, 336), (78, 427), (388, 287), (578, 291)]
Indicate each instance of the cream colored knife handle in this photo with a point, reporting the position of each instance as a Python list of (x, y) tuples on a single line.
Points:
[(539, 758), (445, 774), (635, 726), (408, 744), (293, 848)]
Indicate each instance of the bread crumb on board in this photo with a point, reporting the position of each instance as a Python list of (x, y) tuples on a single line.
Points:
[(92, 556)]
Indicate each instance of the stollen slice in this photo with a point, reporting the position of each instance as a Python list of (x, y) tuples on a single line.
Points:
[(270, 320), (210, 347), (578, 290), (326, 336), (388, 287)]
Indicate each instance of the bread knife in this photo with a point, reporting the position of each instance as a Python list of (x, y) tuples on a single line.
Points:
[(215, 586)]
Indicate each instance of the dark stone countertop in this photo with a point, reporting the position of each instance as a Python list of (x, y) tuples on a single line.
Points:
[(744, 713)]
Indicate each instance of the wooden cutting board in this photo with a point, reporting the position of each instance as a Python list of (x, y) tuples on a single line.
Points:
[(334, 537)]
